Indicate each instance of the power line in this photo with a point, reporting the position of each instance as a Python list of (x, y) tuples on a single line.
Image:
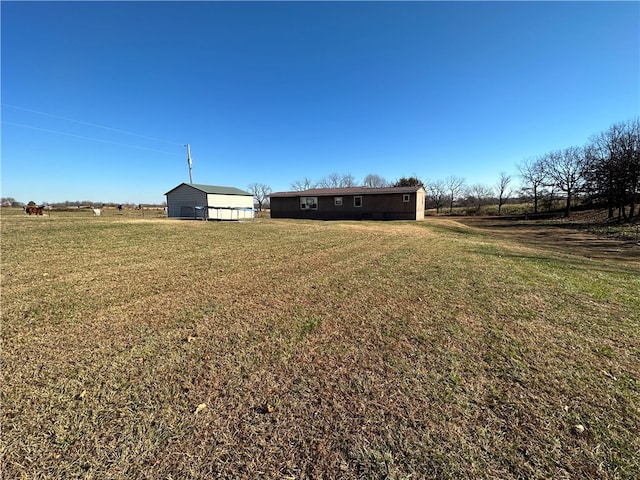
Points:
[(87, 138), (90, 124)]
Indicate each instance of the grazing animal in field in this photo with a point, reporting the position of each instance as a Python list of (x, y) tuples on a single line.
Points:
[(96, 212), (33, 210)]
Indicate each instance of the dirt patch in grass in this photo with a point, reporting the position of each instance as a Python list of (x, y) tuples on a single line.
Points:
[(575, 238), (293, 349)]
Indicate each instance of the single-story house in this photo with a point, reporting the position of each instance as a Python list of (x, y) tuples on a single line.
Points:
[(353, 203), (209, 202)]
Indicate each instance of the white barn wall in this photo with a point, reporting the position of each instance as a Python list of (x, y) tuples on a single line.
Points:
[(225, 205)]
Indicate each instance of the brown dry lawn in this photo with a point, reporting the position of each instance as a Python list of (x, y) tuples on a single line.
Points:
[(160, 349)]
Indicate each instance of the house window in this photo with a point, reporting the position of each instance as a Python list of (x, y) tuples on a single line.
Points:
[(308, 203), (357, 201), (337, 201), (405, 198)]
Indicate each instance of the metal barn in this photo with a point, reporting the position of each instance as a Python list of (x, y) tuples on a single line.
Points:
[(209, 202)]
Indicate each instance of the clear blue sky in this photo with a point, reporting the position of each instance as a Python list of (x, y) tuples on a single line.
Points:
[(275, 92)]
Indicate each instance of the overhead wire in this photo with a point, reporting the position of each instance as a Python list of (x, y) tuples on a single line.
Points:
[(87, 138), (88, 124)]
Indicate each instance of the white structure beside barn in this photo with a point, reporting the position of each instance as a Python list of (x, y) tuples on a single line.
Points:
[(209, 202)]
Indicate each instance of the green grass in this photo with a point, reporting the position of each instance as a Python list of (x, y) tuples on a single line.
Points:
[(321, 350)]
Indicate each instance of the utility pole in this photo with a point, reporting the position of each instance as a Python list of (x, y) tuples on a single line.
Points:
[(189, 160)]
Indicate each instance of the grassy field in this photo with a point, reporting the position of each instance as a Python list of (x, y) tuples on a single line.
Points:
[(149, 348)]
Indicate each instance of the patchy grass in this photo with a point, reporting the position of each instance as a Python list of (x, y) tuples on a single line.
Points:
[(319, 349)]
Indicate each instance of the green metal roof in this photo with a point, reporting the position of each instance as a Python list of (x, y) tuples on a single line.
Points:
[(214, 189)]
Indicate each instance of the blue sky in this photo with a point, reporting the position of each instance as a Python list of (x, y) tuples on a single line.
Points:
[(98, 99)]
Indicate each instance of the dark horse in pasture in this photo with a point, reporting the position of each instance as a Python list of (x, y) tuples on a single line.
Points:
[(33, 210)]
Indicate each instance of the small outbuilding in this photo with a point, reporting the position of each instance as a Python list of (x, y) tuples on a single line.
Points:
[(354, 203), (209, 202)]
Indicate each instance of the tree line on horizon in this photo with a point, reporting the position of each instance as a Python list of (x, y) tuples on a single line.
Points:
[(603, 172)]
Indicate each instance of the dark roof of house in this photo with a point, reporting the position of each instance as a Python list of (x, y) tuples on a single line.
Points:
[(214, 189), (328, 192)]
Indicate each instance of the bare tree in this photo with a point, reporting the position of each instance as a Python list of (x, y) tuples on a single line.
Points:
[(502, 188), (374, 181), (480, 194), (454, 186), (335, 180), (602, 171), (260, 193), (533, 173), (347, 180), (304, 184), (436, 192), (547, 196), (330, 181), (613, 167), (632, 155), (565, 168)]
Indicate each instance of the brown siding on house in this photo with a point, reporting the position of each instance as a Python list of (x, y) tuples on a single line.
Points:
[(287, 207), (377, 204)]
